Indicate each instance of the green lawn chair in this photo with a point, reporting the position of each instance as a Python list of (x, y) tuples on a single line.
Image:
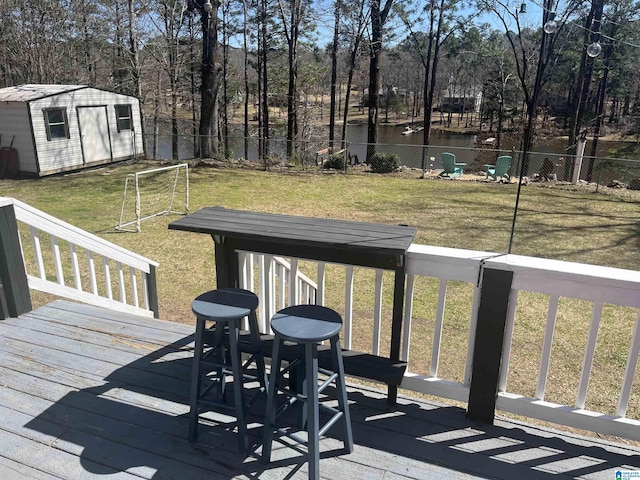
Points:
[(452, 169), (500, 169)]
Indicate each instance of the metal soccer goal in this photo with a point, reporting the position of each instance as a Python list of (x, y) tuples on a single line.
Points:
[(154, 192)]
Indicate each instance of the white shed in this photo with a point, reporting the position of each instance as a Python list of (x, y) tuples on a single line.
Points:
[(56, 128)]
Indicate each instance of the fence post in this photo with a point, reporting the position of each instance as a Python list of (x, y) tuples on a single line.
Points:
[(577, 166), (487, 354), (13, 276)]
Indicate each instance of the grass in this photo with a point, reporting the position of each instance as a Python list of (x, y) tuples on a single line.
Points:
[(560, 222)]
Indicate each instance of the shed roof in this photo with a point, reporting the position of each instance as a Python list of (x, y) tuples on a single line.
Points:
[(28, 92)]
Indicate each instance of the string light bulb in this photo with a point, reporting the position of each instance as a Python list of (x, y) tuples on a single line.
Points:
[(594, 49), (551, 25), (207, 6)]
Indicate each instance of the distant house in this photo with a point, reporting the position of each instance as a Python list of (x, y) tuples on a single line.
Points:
[(455, 99), (56, 128)]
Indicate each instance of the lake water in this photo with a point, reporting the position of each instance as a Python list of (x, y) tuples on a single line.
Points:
[(390, 139)]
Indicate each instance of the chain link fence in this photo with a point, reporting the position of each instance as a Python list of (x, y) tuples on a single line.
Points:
[(539, 166)]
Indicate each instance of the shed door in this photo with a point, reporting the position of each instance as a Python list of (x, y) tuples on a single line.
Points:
[(94, 131)]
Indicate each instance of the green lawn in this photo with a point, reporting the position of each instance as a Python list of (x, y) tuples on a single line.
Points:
[(561, 222)]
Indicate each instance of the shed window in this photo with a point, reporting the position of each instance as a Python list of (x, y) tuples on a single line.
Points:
[(123, 117), (56, 122)]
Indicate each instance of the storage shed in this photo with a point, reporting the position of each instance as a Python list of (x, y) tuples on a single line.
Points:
[(57, 128)]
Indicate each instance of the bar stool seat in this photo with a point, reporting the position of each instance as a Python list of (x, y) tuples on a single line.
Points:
[(217, 354), (307, 325)]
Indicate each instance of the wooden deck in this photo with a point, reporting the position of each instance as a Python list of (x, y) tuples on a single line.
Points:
[(91, 393)]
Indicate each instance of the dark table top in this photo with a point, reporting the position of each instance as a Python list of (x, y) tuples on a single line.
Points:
[(319, 233)]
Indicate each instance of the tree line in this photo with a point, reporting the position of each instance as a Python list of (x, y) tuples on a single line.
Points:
[(290, 68)]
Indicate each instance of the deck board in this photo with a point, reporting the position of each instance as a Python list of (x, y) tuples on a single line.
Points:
[(88, 393)]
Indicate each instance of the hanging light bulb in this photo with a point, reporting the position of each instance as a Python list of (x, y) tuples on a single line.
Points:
[(550, 25), (207, 6), (594, 49)]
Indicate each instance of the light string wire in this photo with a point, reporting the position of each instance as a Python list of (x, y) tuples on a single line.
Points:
[(582, 27)]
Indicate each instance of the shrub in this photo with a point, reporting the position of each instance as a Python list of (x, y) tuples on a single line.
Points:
[(384, 162), (334, 161)]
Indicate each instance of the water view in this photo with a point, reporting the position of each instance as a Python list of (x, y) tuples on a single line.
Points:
[(390, 139)]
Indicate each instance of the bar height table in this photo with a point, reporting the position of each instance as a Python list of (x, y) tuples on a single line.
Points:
[(336, 241)]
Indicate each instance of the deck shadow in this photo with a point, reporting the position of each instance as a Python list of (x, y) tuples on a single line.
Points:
[(134, 419)]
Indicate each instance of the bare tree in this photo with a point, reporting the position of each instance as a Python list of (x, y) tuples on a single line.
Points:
[(378, 14), (208, 130), (428, 40), (531, 57), (292, 14), (170, 22), (334, 70), (356, 17), (583, 81)]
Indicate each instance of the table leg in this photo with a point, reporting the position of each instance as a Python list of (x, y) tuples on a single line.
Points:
[(396, 325), (227, 270)]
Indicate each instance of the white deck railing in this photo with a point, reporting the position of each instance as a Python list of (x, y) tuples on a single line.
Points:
[(81, 266), (598, 286), (462, 271)]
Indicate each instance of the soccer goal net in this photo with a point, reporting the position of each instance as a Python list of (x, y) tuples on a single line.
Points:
[(154, 192)]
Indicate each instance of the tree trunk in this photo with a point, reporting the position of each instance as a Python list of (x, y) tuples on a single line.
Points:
[(592, 28), (378, 18), (246, 80), (373, 99), (602, 89), (134, 55), (334, 73), (265, 99), (208, 130), (352, 68), (225, 80), (292, 34), (192, 81)]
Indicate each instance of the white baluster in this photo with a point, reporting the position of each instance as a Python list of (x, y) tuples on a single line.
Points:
[(75, 266), (57, 260), (629, 373), (377, 312), (508, 340), (546, 347), (408, 311), (107, 277), (348, 306), (589, 354), (123, 293), (134, 286), (437, 333), (37, 250)]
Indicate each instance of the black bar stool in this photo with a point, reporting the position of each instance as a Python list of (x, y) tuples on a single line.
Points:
[(218, 350), (306, 325)]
